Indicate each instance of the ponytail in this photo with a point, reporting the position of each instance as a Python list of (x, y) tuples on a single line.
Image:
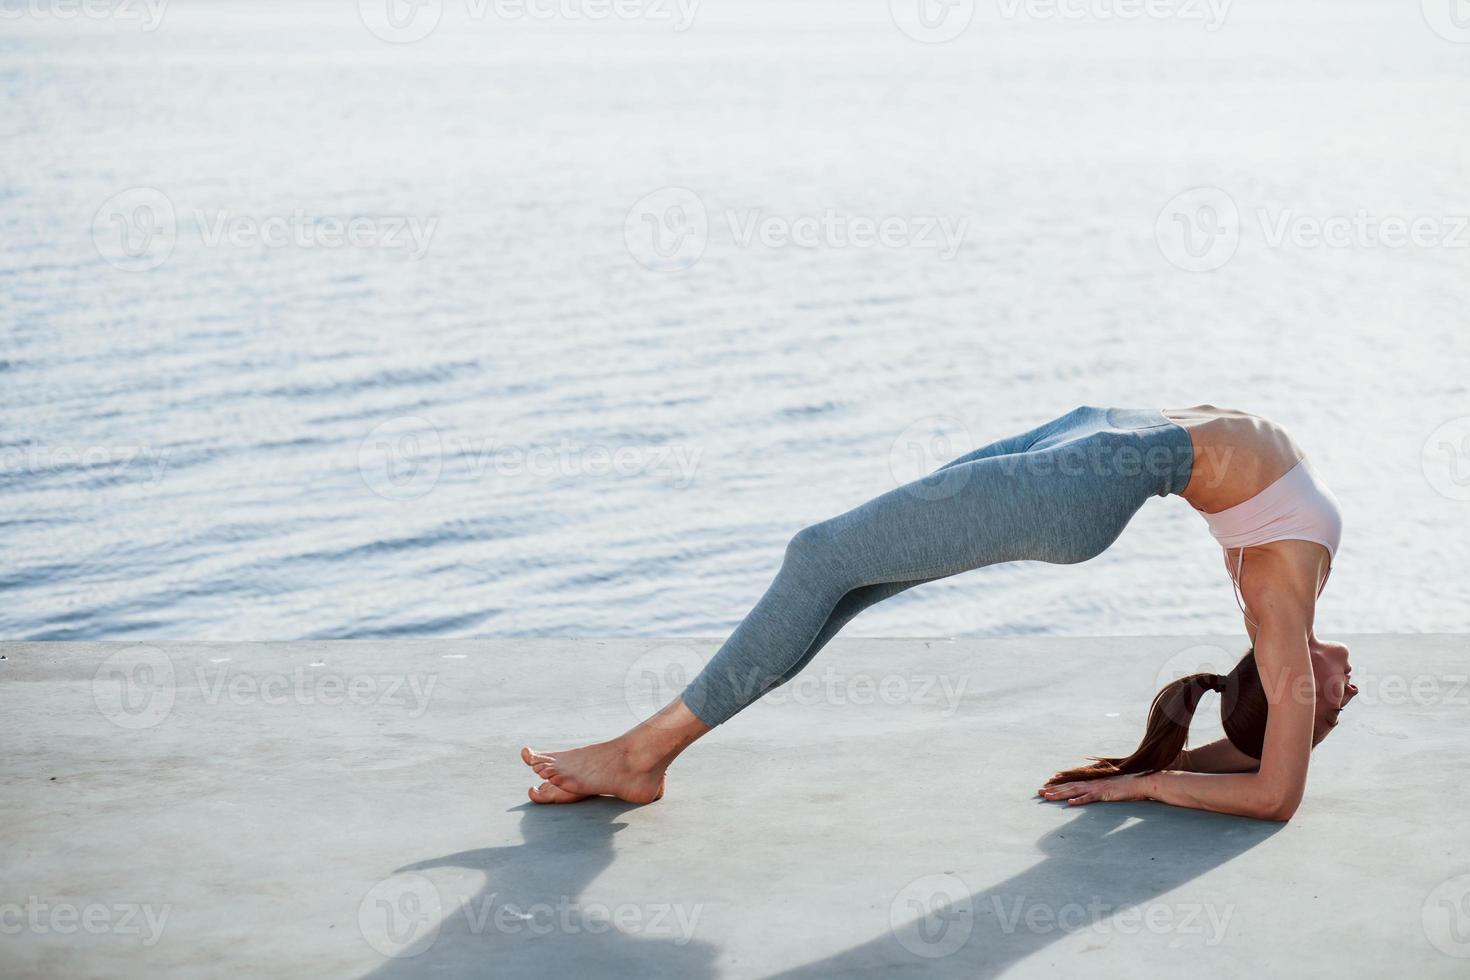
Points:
[(1168, 730), (1243, 712)]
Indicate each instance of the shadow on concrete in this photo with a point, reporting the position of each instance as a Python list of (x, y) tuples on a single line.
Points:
[(1111, 858), (563, 849)]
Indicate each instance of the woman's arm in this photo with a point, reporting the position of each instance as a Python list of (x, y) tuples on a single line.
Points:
[(1274, 790), (1241, 794), (1217, 756)]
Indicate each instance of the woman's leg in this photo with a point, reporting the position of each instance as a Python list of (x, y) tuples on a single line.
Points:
[(1005, 502), (846, 611), (855, 601), (831, 571)]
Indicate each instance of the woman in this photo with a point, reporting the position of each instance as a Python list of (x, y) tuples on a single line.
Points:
[(1060, 493)]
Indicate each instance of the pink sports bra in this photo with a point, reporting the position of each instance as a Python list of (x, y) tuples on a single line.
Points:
[(1298, 507)]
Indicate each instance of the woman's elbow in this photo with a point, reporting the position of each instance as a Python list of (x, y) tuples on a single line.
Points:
[(1280, 807)]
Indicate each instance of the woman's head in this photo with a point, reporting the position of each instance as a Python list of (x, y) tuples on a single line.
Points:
[(1333, 677), (1243, 710)]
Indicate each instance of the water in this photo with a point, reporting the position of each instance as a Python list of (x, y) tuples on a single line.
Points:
[(499, 421)]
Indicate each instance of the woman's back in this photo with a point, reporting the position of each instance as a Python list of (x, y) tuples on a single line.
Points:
[(1236, 455)]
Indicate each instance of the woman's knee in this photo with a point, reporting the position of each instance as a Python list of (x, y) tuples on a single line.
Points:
[(812, 543), (824, 552)]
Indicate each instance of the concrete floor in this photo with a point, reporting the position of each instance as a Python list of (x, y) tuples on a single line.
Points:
[(358, 809)]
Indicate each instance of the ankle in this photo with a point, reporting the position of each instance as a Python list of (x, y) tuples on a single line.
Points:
[(643, 750), (657, 741)]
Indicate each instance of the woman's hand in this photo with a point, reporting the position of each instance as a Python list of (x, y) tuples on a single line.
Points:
[(1110, 789)]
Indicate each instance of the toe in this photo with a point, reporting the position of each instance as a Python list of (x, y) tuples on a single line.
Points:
[(547, 793), (562, 782), (530, 758)]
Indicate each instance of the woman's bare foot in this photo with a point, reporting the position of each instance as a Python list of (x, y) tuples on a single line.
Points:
[(547, 793), (630, 767), (604, 769)]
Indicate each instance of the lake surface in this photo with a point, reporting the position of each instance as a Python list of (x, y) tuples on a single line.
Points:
[(557, 325)]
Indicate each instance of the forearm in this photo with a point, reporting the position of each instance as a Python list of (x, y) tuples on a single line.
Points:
[(1241, 794), (1216, 756)]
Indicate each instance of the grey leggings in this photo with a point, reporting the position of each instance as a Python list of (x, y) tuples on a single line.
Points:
[(1061, 493)]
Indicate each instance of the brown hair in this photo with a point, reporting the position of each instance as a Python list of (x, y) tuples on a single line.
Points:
[(1242, 711)]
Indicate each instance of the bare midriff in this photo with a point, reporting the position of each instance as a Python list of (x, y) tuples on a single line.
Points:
[(1236, 455)]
